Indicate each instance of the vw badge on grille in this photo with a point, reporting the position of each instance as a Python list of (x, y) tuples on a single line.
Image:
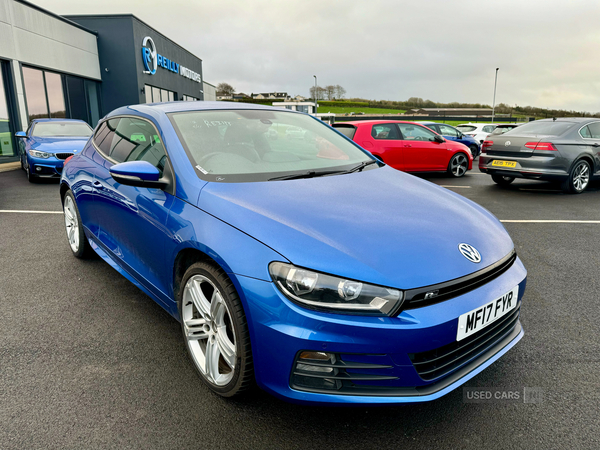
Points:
[(470, 252), (507, 143)]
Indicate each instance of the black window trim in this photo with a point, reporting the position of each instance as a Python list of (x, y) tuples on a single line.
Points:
[(582, 127), (400, 138), (171, 187), (417, 124)]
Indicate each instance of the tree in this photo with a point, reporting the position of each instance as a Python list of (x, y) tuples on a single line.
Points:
[(339, 91), (330, 91), (317, 92), (225, 89)]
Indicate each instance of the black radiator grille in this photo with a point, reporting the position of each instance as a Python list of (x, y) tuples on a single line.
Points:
[(416, 298), (441, 361)]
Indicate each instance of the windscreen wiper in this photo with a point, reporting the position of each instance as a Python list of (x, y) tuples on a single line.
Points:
[(309, 174), (362, 165), (313, 174)]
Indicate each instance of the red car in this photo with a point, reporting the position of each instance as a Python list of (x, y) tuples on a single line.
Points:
[(409, 146)]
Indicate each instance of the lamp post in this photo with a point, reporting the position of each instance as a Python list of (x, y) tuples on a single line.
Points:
[(494, 103), (316, 94)]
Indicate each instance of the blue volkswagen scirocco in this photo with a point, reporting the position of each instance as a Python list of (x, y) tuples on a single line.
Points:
[(304, 266)]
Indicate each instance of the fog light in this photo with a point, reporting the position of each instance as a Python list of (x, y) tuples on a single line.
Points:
[(314, 369), (38, 169), (319, 356), (318, 369)]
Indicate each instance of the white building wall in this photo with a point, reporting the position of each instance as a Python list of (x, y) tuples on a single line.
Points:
[(32, 37), (210, 92)]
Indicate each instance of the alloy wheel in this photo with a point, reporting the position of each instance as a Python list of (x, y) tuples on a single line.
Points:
[(581, 176), (459, 165), (71, 223), (208, 330)]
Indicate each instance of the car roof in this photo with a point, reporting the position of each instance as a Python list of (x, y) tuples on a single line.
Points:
[(374, 122), (57, 120), (569, 119), (182, 106)]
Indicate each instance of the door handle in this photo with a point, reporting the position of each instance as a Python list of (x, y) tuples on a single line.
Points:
[(407, 145), (596, 144)]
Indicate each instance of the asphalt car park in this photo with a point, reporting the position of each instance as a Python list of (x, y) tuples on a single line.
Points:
[(89, 361)]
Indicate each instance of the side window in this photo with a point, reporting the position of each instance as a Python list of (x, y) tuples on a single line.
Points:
[(385, 131), (448, 131), (137, 140), (104, 136), (594, 130), (585, 133), (412, 132)]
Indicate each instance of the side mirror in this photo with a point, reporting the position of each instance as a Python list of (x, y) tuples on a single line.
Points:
[(21, 134), (437, 138), (138, 173)]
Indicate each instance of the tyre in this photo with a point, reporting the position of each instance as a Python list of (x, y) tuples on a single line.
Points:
[(75, 234), (502, 180), (474, 151), (215, 330), (30, 176), (458, 166), (578, 179)]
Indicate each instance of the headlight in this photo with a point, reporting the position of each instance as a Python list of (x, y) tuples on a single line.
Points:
[(320, 291), (37, 154)]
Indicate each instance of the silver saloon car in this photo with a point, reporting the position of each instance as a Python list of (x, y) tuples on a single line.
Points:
[(565, 150)]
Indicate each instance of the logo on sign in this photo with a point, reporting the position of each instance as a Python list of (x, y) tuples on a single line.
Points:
[(149, 55), (152, 60), (470, 252)]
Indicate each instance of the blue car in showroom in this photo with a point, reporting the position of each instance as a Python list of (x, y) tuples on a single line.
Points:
[(454, 134), (47, 143), (305, 266)]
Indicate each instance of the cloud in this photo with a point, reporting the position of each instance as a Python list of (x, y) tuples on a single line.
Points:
[(384, 49)]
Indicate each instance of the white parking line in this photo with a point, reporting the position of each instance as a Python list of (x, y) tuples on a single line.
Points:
[(550, 221), (452, 186), (29, 212)]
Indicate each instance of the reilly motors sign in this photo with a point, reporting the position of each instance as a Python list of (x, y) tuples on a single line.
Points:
[(153, 60)]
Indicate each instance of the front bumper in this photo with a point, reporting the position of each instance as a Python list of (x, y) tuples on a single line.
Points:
[(383, 346), (544, 166), (45, 167)]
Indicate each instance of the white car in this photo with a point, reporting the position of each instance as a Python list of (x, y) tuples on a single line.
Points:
[(477, 130)]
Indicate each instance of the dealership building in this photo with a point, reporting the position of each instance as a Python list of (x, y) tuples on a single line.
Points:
[(83, 67)]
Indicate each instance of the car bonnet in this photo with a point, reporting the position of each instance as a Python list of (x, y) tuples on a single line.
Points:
[(57, 144), (380, 226)]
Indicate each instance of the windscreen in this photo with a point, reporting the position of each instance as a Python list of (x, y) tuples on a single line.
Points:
[(62, 129), (542, 128), (466, 128), (258, 145)]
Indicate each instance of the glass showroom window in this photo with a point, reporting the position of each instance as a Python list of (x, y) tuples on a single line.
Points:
[(156, 95), (6, 142), (44, 93), (188, 98)]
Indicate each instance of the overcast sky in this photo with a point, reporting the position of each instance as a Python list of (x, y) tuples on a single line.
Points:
[(548, 51)]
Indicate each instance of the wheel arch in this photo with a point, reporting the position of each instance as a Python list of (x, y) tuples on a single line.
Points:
[(64, 187), (588, 158), (184, 259)]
